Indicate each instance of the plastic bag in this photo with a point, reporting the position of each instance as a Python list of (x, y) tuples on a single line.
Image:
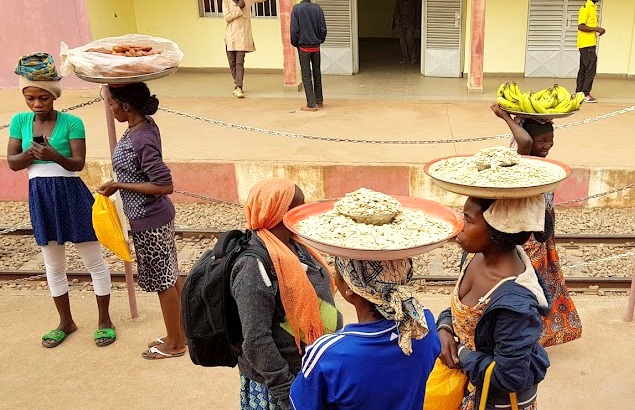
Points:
[(445, 388), (95, 64), (108, 227)]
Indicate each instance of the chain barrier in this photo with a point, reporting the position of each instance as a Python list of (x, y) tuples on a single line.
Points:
[(380, 142), (23, 225), (206, 198), (328, 139), (349, 140), (595, 262), (74, 107), (601, 194)]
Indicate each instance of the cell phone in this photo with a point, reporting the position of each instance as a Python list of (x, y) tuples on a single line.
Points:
[(39, 139)]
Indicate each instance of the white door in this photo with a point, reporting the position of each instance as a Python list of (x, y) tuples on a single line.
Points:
[(442, 42), (339, 53), (552, 49)]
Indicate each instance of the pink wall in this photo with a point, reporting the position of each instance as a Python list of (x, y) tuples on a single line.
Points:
[(27, 27)]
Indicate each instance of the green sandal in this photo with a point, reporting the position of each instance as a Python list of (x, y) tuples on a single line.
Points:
[(105, 337), (54, 338)]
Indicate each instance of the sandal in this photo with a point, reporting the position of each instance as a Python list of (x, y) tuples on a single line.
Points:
[(104, 337), (157, 342), (54, 338), (148, 354)]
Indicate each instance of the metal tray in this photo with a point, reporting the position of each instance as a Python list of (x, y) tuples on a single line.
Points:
[(127, 80), (547, 116), (497, 192), (431, 208)]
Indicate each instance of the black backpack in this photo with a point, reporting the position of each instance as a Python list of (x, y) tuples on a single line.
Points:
[(209, 312)]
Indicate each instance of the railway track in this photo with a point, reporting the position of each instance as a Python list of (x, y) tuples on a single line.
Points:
[(575, 283), (576, 239)]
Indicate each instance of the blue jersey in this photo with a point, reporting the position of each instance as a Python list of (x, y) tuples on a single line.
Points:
[(363, 367)]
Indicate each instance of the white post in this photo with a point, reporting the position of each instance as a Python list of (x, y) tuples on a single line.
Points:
[(112, 141), (631, 298)]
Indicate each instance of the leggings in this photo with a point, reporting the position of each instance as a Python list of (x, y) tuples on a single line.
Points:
[(55, 262)]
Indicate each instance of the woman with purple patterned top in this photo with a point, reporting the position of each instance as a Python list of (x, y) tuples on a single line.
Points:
[(145, 182)]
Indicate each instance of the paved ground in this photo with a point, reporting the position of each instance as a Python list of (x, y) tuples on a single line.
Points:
[(439, 110), (592, 373)]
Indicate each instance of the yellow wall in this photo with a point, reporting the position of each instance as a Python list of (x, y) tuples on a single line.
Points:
[(374, 18), (631, 64), (614, 47), (202, 39), (505, 36), (111, 17)]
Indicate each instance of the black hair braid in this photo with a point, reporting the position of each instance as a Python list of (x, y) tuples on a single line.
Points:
[(138, 96)]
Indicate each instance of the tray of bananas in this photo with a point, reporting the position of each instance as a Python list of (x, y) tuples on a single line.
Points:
[(547, 104)]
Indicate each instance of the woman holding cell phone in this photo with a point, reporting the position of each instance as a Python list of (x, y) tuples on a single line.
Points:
[(51, 146)]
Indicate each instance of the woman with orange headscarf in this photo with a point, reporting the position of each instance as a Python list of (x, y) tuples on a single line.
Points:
[(281, 311)]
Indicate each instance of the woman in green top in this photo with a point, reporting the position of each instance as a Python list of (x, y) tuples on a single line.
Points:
[(51, 146)]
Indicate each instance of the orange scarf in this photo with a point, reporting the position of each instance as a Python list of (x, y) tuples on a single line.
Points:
[(266, 205)]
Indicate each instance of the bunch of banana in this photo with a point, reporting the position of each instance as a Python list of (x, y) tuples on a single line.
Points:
[(555, 100)]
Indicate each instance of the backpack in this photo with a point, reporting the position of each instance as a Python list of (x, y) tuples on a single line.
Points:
[(209, 312)]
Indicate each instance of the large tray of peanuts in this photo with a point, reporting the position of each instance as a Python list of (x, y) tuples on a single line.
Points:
[(496, 173), (370, 225)]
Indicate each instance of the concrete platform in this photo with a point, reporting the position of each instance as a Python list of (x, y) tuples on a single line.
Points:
[(224, 162)]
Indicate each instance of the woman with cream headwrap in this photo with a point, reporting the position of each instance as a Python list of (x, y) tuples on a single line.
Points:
[(382, 362), (281, 311), (51, 146), (497, 305)]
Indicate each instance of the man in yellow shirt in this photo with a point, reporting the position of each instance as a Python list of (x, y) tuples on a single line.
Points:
[(588, 31)]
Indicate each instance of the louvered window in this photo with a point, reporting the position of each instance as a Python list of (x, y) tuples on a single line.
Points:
[(442, 55), (442, 25), (338, 22)]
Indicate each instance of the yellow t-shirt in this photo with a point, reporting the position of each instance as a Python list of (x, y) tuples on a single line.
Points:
[(588, 15)]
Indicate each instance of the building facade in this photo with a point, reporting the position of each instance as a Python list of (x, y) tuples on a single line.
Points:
[(534, 38)]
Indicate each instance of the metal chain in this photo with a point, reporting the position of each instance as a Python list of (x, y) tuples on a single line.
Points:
[(601, 194), (380, 142), (23, 225), (595, 262), (74, 107), (205, 198), (594, 119), (437, 283), (328, 139)]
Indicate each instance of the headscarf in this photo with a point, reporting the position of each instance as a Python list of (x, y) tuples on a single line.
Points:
[(52, 87), (266, 205), (38, 70), (517, 215), (386, 284)]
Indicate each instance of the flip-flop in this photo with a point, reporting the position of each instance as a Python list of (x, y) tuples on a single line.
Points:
[(105, 336), (162, 355), (157, 342), (55, 336)]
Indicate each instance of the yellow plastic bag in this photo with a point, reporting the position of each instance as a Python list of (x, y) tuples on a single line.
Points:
[(108, 227), (445, 388)]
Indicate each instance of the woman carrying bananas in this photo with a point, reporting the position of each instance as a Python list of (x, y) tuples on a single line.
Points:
[(562, 325)]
